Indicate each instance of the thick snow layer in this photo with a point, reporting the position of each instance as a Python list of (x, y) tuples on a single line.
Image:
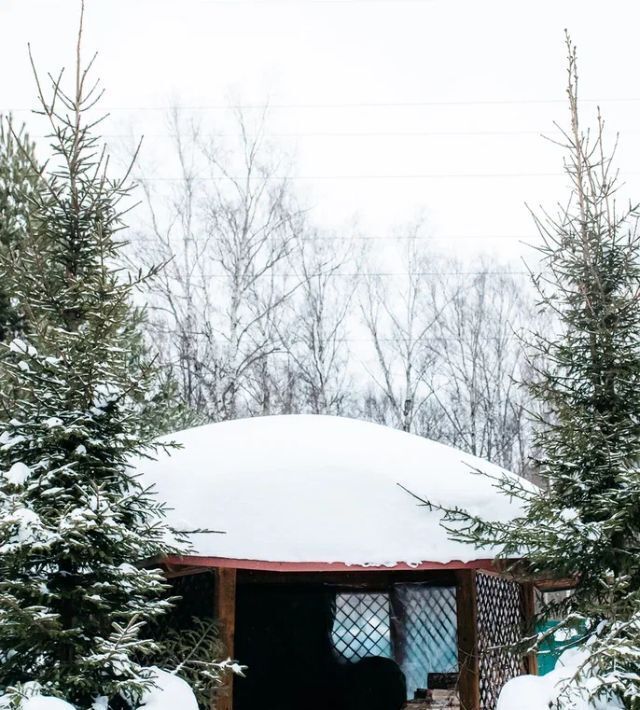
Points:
[(555, 689), (311, 488), (18, 474), (170, 693), (41, 702), (527, 692), (38, 702)]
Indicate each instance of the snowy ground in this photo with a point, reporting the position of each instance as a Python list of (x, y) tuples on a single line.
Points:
[(567, 687), (170, 693)]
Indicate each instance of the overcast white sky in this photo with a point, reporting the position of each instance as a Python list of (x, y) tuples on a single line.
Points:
[(389, 105)]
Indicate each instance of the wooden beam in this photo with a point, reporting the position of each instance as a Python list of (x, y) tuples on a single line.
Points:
[(175, 572), (397, 626), (225, 612), (556, 585), (467, 612), (529, 613), (270, 566), (378, 581)]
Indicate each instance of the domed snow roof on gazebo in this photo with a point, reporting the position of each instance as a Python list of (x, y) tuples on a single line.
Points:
[(310, 491)]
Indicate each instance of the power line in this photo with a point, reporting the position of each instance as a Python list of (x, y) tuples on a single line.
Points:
[(336, 134), (354, 104), (369, 339), (348, 238), (344, 134), (381, 274), (396, 176), (311, 2)]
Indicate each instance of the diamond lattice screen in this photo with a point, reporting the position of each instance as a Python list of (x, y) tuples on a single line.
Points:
[(415, 624), (362, 625), (426, 622), (500, 623)]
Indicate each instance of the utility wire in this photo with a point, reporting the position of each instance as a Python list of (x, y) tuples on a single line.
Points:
[(311, 2), (337, 134), (352, 105), (396, 176), (381, 274), (347, 238), (438, 339)]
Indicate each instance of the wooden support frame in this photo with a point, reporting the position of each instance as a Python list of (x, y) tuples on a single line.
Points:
[(397, 616), (468, 661), (466, 583), (529, 613), (225, 613), (363, 579)]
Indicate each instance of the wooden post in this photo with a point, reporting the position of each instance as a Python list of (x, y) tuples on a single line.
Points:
[(467, 611), (397, 626), (225, 612), (529, 613)]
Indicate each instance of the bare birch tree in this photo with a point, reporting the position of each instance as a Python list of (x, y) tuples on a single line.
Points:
[(256, 309), (479, 360), (317, 336), (224, 229), (447, 355), (398, 315)]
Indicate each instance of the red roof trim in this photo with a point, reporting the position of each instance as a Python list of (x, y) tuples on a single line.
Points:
[(266, 566)]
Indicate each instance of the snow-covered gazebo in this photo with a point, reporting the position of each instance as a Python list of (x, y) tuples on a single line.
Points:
[(323, 557)]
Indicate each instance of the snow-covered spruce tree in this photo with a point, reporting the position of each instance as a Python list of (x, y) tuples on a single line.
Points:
[(584, 524), (73, 410), (18, 181)]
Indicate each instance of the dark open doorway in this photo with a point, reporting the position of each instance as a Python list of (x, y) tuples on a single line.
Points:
[(328, 646)]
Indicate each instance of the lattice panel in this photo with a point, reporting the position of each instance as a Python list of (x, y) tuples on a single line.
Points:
[(427, 632), (500, 624), (362, 625)]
